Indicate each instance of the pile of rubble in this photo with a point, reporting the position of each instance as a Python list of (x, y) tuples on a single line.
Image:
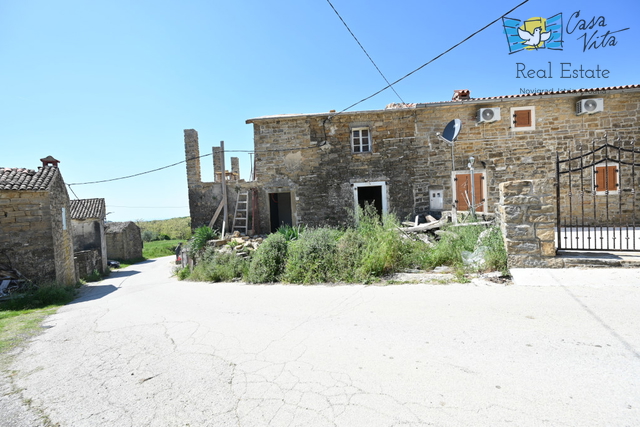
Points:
[(238, 243)]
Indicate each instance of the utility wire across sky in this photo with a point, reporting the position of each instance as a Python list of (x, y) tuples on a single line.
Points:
[(389, 85)]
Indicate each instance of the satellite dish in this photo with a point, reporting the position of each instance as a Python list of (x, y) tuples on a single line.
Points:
[(487, 114), (451, 131), (590, 105)]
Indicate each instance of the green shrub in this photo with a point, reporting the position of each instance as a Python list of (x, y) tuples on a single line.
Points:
[(200, 237), (216, 266), (455, 240), (311, 258), (496, 257), (149, 236), (289, 232), (183, 273), (268, 261)]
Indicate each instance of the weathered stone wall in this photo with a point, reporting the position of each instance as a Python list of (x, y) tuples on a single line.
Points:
[(205, 197), (26, 233), (527, 215), (124, 241), (292, 156), (88, 261), (60, 213), (33, 235)]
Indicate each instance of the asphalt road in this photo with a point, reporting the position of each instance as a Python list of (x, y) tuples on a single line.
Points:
[(142, 349)]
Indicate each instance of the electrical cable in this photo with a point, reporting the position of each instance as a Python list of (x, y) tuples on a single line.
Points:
[(432, 60), (365, 52), (325, 120)]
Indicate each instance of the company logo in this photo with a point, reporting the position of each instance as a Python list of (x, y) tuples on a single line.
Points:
[(534, 33)]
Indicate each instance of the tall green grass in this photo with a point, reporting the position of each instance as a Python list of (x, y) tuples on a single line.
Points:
[(369, 249)]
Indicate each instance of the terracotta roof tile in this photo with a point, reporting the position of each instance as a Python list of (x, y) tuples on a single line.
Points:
[(88, 208), (20, 179), (522, 95)]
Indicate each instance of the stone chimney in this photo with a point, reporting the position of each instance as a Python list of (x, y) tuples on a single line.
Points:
[(49, 161), (461, 95)]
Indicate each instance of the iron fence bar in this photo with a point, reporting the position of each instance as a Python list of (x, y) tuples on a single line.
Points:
[(619, 188), (558, 226), (582, 196), (633, 189), (570, 194), (606, 187)]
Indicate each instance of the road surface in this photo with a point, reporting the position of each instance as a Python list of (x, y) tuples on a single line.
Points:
[(142, 349)]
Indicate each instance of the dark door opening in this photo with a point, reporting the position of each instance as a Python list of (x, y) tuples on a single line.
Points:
[(280, 210), (370, 196)]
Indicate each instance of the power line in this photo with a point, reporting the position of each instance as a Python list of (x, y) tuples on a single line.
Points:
[(184, 161), (389, 85), (138, 174), (432, 60), (365, 52)]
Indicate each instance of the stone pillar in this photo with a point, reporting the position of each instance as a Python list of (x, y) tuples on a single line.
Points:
[(527, 218), (235, 167), (192, 155), (218, 173)]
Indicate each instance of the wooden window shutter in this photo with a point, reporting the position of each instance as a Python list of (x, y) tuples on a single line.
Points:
[(607, 178), (522, 118), (463, 191)]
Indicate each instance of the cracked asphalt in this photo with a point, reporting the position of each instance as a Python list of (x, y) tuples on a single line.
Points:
[(142, 349)]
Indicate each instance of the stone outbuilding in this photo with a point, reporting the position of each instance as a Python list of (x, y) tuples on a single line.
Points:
[(35, 223), (124, 240), (89, 240)]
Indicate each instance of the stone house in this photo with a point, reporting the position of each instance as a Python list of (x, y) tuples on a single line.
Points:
[(89, 240), (35, 223), (313, 168), (124, 240)]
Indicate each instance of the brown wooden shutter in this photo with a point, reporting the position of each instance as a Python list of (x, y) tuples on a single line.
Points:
[(463, 191), (522, 118), (607, 178)]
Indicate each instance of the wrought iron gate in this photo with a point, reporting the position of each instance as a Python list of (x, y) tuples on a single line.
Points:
[(596, 198)]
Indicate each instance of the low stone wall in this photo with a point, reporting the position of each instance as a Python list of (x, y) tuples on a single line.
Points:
[(527, 215), (87, 262)]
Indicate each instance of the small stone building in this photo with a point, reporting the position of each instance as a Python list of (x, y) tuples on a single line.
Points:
[(35, 223), (89, 240), (124, 240)]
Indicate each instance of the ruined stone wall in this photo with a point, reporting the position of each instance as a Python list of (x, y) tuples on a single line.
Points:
[(205, 197), (88, 261), (292, 156)]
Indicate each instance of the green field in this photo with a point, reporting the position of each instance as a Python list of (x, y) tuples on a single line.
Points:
[(160, 248)]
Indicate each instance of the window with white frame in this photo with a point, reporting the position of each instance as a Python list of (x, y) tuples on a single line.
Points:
[(360, 140), (523, 118), (606, 178)]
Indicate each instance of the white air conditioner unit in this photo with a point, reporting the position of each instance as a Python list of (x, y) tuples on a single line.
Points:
[(488, 115), (589, 106)]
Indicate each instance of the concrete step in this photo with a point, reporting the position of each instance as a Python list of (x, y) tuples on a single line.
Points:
[(600, 259)]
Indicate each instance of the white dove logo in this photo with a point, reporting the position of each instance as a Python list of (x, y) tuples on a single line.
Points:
[(535, 39)]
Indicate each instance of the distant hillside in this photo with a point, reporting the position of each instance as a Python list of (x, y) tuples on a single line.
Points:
[(174, 229)]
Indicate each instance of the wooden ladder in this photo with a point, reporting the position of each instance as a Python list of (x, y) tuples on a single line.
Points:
[(241, 218)]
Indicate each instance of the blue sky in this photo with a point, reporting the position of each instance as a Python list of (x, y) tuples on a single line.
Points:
[(107, 87)]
